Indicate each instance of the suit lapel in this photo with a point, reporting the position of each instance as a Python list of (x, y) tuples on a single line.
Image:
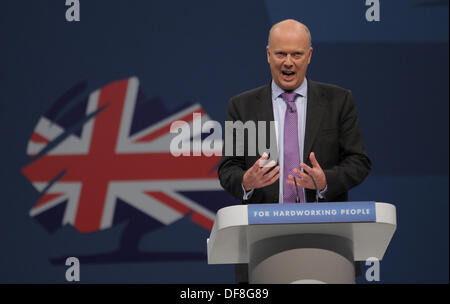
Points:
[(264, 112), (314, 115)]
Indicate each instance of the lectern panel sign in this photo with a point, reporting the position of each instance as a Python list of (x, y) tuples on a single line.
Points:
[(311, 213)]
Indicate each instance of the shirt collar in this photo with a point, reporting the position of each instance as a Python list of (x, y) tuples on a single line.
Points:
[(302, 90)]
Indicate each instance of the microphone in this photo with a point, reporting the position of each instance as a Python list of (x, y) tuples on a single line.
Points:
[(315, 186), (297, 198)]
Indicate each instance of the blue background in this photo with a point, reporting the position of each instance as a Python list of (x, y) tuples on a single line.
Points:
[(206, 52)]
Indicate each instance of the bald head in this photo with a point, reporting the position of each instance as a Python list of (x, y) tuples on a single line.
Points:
[(289, 26)]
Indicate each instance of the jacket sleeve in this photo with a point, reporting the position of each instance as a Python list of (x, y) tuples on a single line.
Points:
[(354, 163), (231, 168)]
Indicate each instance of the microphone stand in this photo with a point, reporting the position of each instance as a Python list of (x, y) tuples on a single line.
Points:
[(315, 186), (297, 198)]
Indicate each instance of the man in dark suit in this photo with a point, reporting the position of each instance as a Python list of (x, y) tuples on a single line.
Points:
[(316, 126)]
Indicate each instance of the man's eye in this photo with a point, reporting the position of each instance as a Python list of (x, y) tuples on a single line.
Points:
[(280, 55)]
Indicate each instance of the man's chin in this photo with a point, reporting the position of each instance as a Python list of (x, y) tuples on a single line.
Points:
[(289, 86)]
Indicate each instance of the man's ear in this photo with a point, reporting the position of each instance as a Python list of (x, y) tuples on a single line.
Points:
[(310, 54), (268, 54)]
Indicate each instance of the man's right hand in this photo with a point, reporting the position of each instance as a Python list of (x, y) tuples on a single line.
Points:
[(255, 177)]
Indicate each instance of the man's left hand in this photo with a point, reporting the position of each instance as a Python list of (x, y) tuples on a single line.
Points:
[(304, 180)]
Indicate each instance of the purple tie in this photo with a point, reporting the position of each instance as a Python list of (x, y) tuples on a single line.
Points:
[(291, 147)]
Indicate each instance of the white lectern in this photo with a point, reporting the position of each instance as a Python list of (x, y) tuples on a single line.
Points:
[(301, 243)]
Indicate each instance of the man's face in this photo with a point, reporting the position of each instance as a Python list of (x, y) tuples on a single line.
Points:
[(289, 54)]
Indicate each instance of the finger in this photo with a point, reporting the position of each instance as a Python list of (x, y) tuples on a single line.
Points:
[(272, 180), (291, 182), (301, 183), (306, 168), (260, 162), (271, 174), (314, 162), (298, 178), (267, 167), (304, 181), (266, 162), (291, 178), (301, 174), (257, 163), (261, 179)]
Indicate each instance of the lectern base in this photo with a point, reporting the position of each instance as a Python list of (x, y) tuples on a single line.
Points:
[(310, 258)]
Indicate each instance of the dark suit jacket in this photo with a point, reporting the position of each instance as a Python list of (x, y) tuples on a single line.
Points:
[(332, 133)]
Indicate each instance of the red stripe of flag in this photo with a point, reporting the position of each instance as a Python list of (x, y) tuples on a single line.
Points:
[(126, 167), (38, 138), (202, 220), (104, 139), (168, 201)]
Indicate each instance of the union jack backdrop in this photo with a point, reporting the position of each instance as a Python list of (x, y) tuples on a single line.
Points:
[(112, 148)]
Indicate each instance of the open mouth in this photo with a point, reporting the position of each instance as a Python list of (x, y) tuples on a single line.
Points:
[(287, 73)]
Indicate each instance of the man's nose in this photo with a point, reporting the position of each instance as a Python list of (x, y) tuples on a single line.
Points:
[(288, 61)]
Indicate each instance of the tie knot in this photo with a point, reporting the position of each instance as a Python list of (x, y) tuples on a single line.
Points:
[(289, 97)]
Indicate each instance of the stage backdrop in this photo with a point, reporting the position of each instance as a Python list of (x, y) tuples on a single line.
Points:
[(86, 107)]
